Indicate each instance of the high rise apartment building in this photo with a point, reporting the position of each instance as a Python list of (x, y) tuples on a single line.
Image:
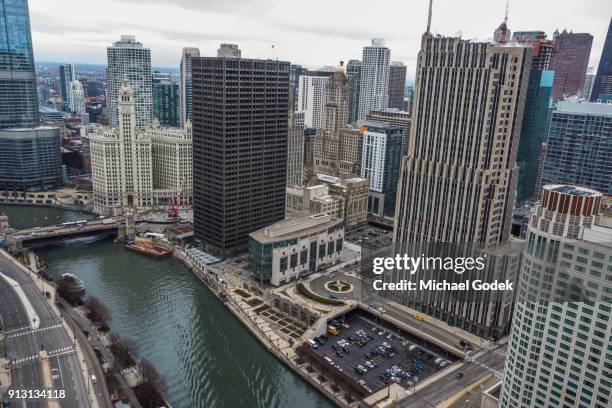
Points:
[(558, 354), (394, 117), (570, 63), (128, 59), (166, 102), (374, 84), (132, 167), (311, 100), (579, 146), (602, 87), (67, 74), (240, 125), (535, 117), (380, 164), (462, 151), (353, 77), (18, 97), (77, 98), (185, 87), (397, 85)]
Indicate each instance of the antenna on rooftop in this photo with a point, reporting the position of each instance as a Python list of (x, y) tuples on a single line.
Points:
[(429, 16)]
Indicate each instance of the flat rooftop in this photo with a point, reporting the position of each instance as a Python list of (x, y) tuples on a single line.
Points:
[(299, 223), (584, 108)]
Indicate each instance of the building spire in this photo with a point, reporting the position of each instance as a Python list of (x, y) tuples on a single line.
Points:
[(429, 16), (506, 15)]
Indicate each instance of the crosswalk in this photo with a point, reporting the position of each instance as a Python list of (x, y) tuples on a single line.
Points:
[(51, 353), (28, 332), (496, 373)]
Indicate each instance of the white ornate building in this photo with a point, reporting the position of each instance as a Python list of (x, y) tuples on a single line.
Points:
[(139, 168)]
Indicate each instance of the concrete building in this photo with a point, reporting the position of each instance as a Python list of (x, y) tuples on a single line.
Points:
[(185, 86), (295, 72), (393, 117), (536, 112), (602, 87), (139, 168), (336, 108), (353, 76), (229, 51), (311, 100), (295, 157), (579, 146), (77, 98), (299, 245), (380, 164), (67, 74), (30, 159), (397, 85), (18, 96), (589, 81), (570, 63), (558, 354), (240, 127), (127, 58), (374, 85), (355, 192), (315, 200), (443, 155), (166, 103)]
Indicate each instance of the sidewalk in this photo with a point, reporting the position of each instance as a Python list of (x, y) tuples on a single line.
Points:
[(5, 375)]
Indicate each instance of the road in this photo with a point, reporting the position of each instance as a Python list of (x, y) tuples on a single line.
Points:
[(24, 343)]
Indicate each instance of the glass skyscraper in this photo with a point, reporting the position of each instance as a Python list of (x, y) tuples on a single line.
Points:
[(18, 97)]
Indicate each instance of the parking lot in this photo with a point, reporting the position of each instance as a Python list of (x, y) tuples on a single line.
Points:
[(375, 353), (370, 237)]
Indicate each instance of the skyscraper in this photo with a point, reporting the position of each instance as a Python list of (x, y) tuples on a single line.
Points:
[(311, 100), (535, 117), (229, 51), (185, 86), (294, 83), (77, 98), (602, 88), (579, 146), (570, 63), (295, 157), (18, 97), (67, 74), (395, 117), (353, 76), (128, 59), (397, 85), (558, 354), (464, 158), (336, 102), (240, 125), (374, 84), (166, 102)]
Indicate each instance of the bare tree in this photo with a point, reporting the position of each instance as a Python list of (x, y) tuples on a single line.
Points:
[(98, 312), (152, 376)]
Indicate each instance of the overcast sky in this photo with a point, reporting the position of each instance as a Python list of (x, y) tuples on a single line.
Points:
[(313, 33)]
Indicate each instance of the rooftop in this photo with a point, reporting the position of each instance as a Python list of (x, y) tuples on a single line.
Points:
[(298, 223), (584, 108), (572, 190)]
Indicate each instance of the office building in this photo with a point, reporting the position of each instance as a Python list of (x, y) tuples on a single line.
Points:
[(311, 100), (127, 58), (299, 245), (185, 86), (67, 74), (338, 153), (397, 85), (315, 200), (77, 98), (443, 154), (394, 117), (579, 146), (602, 87), (374, 84), (229, 51), (336, 102), (558, 354), (589, 81), (50, 115), (166, 102), (240, 126), (310, 136), (535, 117), (570, 63), (295, 157), (353, 77), (30, 159), (354, 191), (18, 96), (380, 164), (132, 167), (295, 72)]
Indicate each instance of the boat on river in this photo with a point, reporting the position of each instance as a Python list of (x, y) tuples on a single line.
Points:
[(149, 248)]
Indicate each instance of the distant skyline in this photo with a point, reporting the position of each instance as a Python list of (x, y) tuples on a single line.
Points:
[(315, 34)]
